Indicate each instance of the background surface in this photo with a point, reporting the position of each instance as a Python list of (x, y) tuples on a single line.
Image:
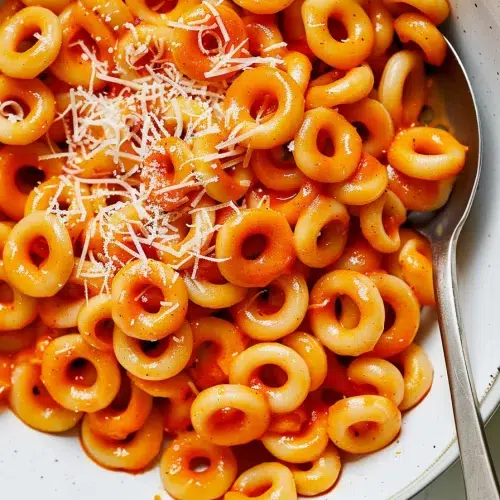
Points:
[(450, 485)]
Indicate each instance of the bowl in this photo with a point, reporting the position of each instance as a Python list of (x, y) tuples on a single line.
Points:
[(35, 465)]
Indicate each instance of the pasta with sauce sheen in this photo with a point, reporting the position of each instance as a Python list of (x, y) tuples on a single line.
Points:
[(202, 231)]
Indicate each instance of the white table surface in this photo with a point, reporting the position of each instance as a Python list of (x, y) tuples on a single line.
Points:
[(450, 485)]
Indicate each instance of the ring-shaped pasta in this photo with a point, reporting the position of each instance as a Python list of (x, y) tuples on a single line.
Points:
[(30, 63), (322, 475), (114, 239), (276, 169), (19, 311), (271, 261), (232, 183), (62, 309), (151, 41), (194, 235), (289, 203), (418, 29), (56, 6), (320, 234), (128, 311), (263, 6), (383, 25), (299, 67), (31, 402), (377, 121), (351, 51), (380, 221), (274, 479), (25, 128), (142, 10), (337, 87), (95, 322), (359, 256), (230, 414), (415, 261), (284, 398), (126, 414), (273, 322), (312, 352), (382, 415), (273, 130), (114, 12), (264, 36), (188, 51), (417, 375), (180, 477), (168, 164), (346, 142), (395, 292), (69, 65), (367, 184), (15, 163), (212, 290), (327, 327), (158, 360), (391, 261), (305, 445), (402, 87), (46, 279), (49, 192), (70, 393), (380, 374), (417, 194), (427, 153), (436, 10), (132, 454), (216, 342)]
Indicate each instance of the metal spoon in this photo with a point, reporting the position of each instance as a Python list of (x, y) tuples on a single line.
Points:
[(443, 229)]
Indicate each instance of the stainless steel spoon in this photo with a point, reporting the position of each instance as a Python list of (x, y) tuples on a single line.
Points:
[(443, 229)]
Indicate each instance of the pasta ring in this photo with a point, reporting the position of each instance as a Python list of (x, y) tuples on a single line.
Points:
[(327, 327), (380, 412), (128, 312), (346, 141), (276, 477), (321, 232), (229, 415), (246, 90), (53, 272), (282, 399), (58, 357), (41, 55), (427, 153), (183, 481), (345, 54), (133, 454), (159, 360), (270, 262), (336, 87)]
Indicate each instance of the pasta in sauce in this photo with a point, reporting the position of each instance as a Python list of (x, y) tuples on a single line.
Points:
[(203, 208)]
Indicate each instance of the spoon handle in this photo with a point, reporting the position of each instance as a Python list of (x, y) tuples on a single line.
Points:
[(479, 474)]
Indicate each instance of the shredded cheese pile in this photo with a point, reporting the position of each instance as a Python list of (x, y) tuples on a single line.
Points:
[(121, 127)]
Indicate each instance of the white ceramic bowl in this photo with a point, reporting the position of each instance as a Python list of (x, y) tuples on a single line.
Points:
[(35, 465)]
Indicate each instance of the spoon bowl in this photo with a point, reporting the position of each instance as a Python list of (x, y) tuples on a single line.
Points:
[(454, 85)]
